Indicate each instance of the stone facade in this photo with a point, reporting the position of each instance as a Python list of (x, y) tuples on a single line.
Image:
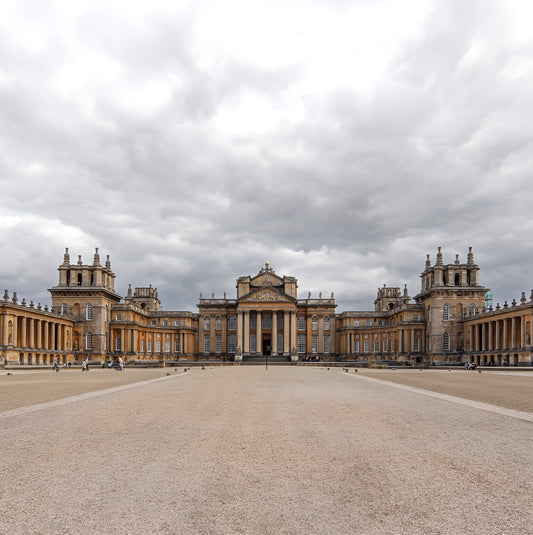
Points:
[(448, 322)]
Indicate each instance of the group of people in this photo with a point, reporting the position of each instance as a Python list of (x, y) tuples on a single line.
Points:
[(470, 365), (119, 365)]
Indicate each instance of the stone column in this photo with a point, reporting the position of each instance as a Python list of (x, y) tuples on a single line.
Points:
[(39, 340), (274, 332), (239, 333), (59, 338), (294, 343), (522, 331), (483, 336), (320, 347), (513, 332), (5, 333), (505, 334), (46, 332), (31, 326), (53, 336), (259, 332), (286, 330), (246, 332), (123, 342), (497, 344), (23, 333)]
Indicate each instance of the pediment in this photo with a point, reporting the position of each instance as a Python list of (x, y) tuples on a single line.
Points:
[(266, 295), (266, 279)]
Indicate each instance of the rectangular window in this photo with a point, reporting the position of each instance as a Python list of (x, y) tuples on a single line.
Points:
[(142, 346), (326, 343), (118, 344), (356, 323), (218, 343), (158, 346), (231, 343), (417, 317), (267, 321), (176, 346), (165, 323), (280, 321), (417, 344), (369, 322), (253, 321), (301, 323), (301, 343), (356, 347), (384, 346), (253, 343), (380, 323), (149, 346), (177, 323), (376, 346), (280, 342), (315, 343), (167, 346), (206, 343), (392, 346), (118, 317), (367, 346), (153, 322)]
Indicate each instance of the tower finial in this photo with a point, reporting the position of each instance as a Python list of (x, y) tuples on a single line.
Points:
[(439, 257), (96, 261), (470, 260), (66, 258), (107, 262), (428, 262)]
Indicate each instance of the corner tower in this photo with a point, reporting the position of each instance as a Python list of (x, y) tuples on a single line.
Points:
[(86, 293), (449, 293)]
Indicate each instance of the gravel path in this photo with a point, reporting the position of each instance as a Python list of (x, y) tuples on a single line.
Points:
[(241, 450)]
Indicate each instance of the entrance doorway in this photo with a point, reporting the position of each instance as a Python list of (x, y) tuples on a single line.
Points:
[(267, 349)]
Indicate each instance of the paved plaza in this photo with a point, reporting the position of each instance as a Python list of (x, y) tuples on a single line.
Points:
[(244, 450)]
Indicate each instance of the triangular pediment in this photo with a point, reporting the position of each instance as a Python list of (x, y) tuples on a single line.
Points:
[(266, 295), (266, 279)]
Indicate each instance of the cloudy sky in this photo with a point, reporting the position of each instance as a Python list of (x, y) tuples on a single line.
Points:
[(341, 140)]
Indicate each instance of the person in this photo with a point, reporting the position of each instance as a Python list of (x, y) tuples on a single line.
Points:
[(120, 366), (85, 365), (56, 365)]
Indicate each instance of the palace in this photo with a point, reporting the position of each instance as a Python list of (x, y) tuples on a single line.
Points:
[(450, 321)]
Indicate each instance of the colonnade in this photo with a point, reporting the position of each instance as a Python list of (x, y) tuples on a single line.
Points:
[(507, 333), (402, 340), (130, 342), (23, 334), (244, 331)]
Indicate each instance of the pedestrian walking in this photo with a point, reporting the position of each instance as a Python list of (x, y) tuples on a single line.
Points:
[(56, 365)]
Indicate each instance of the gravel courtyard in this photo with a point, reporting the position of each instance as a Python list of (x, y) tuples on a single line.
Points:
[(241, 450)]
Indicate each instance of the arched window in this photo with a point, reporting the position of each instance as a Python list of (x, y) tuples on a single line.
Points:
[(314, 323), (89, 312), (64, 309), (89, 340), (326, 323), (446, 312), (218, 323), (207, 323), (472, 309), (231, 323), (446, 341)]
